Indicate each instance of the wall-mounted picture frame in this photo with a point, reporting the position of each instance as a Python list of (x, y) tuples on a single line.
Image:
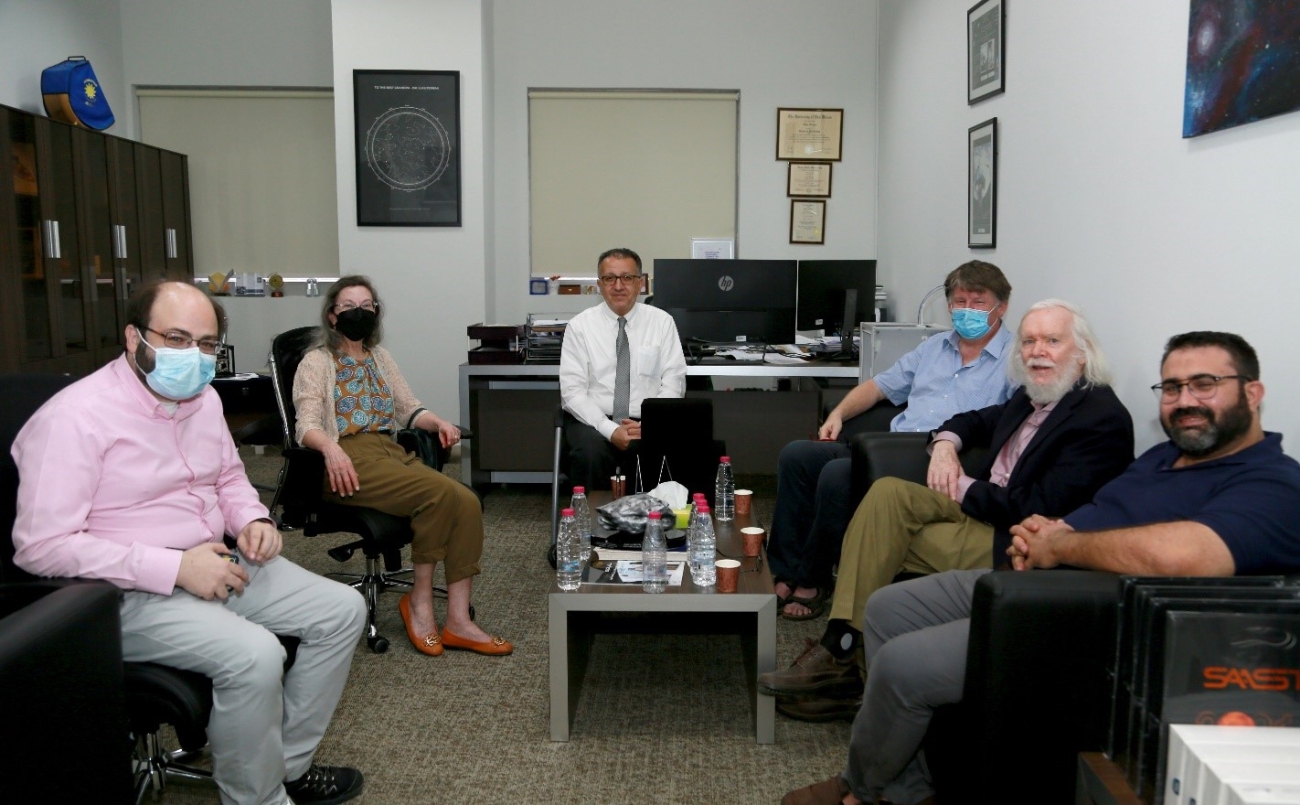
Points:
[(809, 134), (807, 222), (808, 180), (986, 56), (982, 185), (407, 147)]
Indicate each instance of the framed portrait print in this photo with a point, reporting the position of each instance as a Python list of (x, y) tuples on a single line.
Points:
[(985, 50), (408, 147), (982, 185), (807, 222), (809, 134), (808, 179)]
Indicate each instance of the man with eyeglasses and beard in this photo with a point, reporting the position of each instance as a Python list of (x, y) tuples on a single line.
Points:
[(130, 475), (1220, 498), (614, 356)]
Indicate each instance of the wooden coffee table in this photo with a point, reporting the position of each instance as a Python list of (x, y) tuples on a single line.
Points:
[(750, 612)]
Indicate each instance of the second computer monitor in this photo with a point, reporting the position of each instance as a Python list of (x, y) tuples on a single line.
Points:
[(729, 301), (823, 291)]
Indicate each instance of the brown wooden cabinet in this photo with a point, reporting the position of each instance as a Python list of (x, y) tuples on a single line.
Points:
[(84, 218)]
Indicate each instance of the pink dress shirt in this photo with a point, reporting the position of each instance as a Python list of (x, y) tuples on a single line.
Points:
[(113, 486), (1010, 453)]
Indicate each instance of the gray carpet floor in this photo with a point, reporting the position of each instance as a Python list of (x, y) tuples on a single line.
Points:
[(662, 718)]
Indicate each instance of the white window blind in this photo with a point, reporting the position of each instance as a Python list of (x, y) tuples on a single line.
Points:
[(646, 170), (263, 196)]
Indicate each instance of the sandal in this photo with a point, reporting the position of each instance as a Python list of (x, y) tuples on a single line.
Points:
[(816, 605), (781, 600)]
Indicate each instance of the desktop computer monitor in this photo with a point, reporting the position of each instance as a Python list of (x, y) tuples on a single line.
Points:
[(729, 301), (828, 287)]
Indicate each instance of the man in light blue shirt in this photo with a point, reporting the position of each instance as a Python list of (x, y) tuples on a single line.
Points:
[(961, 370)]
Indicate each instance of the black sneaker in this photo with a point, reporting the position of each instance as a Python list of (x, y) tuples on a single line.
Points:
[(325, 785)]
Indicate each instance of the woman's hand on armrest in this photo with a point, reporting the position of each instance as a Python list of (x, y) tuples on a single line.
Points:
[(338, 466)]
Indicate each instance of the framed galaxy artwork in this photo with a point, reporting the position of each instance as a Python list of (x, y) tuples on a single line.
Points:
[(982, 185), (408, 147), (1243, 63)]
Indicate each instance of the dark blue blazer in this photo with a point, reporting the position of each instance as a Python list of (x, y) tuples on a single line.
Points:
[(1085, 442)]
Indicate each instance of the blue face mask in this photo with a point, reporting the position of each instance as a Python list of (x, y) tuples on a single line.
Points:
[(179, 374), (970, 323)]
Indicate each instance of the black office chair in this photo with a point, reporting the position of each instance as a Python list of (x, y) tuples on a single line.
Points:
[(154, 694), (679, 437), (381, 537)]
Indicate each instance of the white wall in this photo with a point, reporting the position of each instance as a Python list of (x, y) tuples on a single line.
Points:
[(431, 278), (755, 46), (36, 35), (1100, 200)]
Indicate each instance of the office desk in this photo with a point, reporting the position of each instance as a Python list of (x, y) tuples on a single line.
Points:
[(511, 410)]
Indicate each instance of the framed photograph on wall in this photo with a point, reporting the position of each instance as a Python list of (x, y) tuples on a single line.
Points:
[(408, 147), (809, 180), (809, 134), (985, 50), (807, 222), (982, 185)]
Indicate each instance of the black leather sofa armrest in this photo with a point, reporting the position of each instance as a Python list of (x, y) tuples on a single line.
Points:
[(880, 455)]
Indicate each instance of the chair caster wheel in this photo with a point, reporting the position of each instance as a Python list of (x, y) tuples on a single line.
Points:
[(377, 644)]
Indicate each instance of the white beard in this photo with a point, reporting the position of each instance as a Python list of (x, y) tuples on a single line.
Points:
[(1050, 391)]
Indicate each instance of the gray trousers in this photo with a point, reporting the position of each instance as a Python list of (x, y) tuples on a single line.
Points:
[(914, 635), (265, 724)]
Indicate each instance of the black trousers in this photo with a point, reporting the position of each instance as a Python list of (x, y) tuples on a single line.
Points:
[(592, 458)]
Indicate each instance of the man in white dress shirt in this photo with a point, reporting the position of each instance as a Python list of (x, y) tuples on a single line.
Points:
[(614, 356)]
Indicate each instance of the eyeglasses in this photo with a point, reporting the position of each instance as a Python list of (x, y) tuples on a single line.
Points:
[(344, 307), (610, 280), (175, 339), (1202, 387)]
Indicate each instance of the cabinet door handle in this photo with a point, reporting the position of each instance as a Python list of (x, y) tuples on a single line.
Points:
[(119, 241), (54, 241), (171, 244)]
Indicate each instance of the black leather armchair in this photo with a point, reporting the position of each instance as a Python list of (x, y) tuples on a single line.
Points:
[(1036, 693)]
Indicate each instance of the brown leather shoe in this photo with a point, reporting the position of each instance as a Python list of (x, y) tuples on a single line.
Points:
[(429, 644), (827, 792), (816, 670), (492, 647), (819, 708)]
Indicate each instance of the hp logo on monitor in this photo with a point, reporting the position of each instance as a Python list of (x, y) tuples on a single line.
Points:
[(726, 283)]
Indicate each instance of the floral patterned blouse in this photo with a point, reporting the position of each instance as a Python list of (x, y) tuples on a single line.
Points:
[(362, 401)]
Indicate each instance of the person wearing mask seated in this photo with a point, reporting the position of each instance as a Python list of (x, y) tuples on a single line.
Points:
[(351, 399)]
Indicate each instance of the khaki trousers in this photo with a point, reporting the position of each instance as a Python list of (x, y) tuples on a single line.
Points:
[(904, 527), (446, 517)]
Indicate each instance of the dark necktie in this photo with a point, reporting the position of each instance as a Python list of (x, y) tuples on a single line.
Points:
[(622, 374)]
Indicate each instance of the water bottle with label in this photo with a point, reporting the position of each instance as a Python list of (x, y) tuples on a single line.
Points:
[(568, 560), (724, 499), (654, 556), (583, 521), (703, 572)]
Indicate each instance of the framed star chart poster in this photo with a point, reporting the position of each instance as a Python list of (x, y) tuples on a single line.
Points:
[(408, 147)]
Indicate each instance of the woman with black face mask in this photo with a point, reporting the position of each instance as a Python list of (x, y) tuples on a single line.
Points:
[(350, 400)]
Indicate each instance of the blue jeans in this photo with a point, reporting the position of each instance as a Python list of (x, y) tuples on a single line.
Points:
[(813, 485)]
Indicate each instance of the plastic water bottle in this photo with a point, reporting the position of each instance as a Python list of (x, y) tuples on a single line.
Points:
[(703, 546), (582, 520), (654, 556), (724, 500), (568, 561)]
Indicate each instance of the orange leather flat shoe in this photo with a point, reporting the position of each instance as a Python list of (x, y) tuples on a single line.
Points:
[(496, 647), (431, 643)]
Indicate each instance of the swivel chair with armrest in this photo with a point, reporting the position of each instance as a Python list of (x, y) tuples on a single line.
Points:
[(115, 700), (381, 536)]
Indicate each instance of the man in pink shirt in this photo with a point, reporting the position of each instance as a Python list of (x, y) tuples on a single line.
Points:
[(130, 475), (1059, 439)]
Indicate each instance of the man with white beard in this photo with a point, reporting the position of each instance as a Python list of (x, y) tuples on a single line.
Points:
[(1059, 439)]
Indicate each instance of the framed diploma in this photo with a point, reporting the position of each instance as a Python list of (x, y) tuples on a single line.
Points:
[(809, 134), (809, 179), (982, 186), (985, 57), (807, 221), (407, 147)]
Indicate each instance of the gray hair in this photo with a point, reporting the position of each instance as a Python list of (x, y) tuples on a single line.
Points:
[(1096, 370)]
